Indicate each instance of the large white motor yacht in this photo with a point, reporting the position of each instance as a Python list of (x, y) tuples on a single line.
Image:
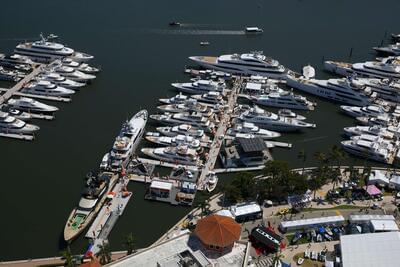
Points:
[(43, 51), (178, 99), (60, 80), (73, 74), (387, 89), (392, 49), (83, 67), (178, 155), (254, 63), (338, 90), (377, 130), (22, 115), (81, 57), (10, 124), (195, 119), (272, 121), (186, 140), (371, 150), (199, 87), (185, 129), (46, 88), (188, 106), (210, 98), (251, 128), (385, 69), (31, 105)]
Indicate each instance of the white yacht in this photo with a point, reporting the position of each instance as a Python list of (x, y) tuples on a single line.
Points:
[(10, 124), (392, 49), (31, 105), (73, 74), (127, 141), (83, 67), (43, 50), (385, 69), (194, 119), (368, 111), (387, 89), (185, 129), (376, 139), (22, 115), (371, 150), (283, 99), (80, 57), (46, 88), (200, 87), (211, 181), (105, 161), (290, 114), (187, 106), (254, 63), (380, 120), (373, 130), (251, 128), (9, 75), (271, 121), (178, 99), (185, 140), (253, 30), (60, 80), (338, 90), (178, 155), (214, 98)]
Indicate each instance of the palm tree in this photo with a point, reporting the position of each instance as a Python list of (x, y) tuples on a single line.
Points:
[(321, 158), (104, 253), (303, 157), (130, 243), (69, 259), (204, 208)]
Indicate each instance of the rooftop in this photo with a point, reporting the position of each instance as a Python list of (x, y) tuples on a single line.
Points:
[(252, 144), (370, 250)]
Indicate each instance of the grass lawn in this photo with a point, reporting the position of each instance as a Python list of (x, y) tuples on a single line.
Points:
[(307, 262)]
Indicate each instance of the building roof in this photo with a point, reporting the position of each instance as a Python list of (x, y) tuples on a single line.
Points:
[(377, 176), (365, 217), (312, 221), (371, 250), (384, 225), (161, 185), (266, 236), (218, 230), (252, 144), (244, 209)]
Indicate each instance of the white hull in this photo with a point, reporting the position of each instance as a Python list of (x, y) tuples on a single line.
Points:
[(149, 152)]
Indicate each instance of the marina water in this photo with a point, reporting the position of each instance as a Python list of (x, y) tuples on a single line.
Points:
[(140, 56)]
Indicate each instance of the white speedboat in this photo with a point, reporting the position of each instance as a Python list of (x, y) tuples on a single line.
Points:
[(105, 162), (283, 99), (376, 69), (252, 129), (338, 90), (80, 57), (272, 121), (290, 114), (185, 129), (370, 150), (60, 80), (214, 98), (178, 99), (368, 111), (178, 140), (371, 130), (22, 115), (43, 51), (73, 74), (392, 49), (253, 30), (200, 87), (10, 124), (47, 89), (83, 67), (31, 105), (178, 155), (254, 63)]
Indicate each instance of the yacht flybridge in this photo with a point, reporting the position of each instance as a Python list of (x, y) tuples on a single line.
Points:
[(254, 63), (47, 88), (339, 90), (178, 155)]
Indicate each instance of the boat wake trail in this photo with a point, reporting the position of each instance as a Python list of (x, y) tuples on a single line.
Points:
[(311, 139), (198, 32)]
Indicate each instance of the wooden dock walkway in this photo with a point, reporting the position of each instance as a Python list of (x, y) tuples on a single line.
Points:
[(221, 130), (10, 92)]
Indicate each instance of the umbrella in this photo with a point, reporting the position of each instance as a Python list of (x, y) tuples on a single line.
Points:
[(111, 194)]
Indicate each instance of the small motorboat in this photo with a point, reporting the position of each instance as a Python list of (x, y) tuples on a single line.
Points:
[(253, 30), (212, 181), (204, 43), (52, 36), (174, 23)]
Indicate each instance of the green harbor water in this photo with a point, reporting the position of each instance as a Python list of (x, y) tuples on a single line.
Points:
[(140, 56)]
